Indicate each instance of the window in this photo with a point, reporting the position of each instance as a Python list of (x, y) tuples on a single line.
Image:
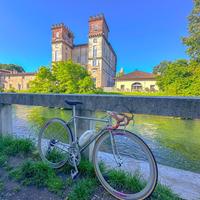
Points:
[(96, 27), (56, 45), (152, 87), (95, 40), (19, 87), (94, 63), (78, 59), (57, 34), (122, 87), (56, 55), (136, 87), (10, 86), (27, 86), (94, 79), (94, 71), (95, 51)]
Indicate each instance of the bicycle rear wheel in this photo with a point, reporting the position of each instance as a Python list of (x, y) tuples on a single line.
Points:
[(54, 142), (125, 165)]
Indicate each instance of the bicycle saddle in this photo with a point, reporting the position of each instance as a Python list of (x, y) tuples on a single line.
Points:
[(72, 103)]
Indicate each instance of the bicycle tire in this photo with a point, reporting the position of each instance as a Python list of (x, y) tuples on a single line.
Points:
[(107, 184), (65, 138)]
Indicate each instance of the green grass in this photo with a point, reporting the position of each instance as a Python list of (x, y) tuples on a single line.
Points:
[(1, 185), (11, 146), (83, 189), (122, 181), (163, 192), (35, 172), (38, 174), (86, 168), (3, 160)]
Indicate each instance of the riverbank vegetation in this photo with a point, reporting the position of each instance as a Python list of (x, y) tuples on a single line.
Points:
[(63, 77), (181, 77), (12, 67), (21, 167)]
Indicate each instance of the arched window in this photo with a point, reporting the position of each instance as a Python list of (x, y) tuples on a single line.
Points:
[(136, 86)]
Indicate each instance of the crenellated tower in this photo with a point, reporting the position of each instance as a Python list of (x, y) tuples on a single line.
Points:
[(62, 43), (97, 56), (101, 56)]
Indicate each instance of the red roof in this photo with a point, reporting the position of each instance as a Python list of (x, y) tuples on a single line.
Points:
[(136, 75), (5, 71)]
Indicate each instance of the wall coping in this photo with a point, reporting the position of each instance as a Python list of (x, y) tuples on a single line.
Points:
[(186, 107)]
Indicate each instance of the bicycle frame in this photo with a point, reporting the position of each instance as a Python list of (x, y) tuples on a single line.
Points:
[(73, 120)]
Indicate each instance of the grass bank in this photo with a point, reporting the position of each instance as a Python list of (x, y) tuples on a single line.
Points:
[(28, 171)]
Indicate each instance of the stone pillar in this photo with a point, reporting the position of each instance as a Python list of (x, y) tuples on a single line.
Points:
[(83, 125), (5, 119)]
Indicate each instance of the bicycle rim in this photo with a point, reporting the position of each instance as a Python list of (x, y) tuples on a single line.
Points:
[(124, 165), (54, 142)]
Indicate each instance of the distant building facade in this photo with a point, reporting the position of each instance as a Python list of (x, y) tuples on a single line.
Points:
[(97, 55), (14, 80), (136, 81)]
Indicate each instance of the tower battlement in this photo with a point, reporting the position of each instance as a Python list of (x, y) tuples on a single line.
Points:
[(64, 27), (97, 17), (97, 55)]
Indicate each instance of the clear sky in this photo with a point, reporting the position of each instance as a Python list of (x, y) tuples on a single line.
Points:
[(142, 32)]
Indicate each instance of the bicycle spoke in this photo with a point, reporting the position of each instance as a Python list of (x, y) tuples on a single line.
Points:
[(125, 165)]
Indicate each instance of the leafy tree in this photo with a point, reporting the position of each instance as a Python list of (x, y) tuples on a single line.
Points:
[(193, 40), (12, 67), (44, 81), (72, 77), (1, 89), (181, 78), (160, 69), (64, 77)]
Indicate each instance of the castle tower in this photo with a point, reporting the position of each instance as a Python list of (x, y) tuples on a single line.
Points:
[(62, 43), (101, 56)]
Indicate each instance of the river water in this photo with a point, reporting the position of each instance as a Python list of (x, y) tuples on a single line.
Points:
[(174, 142)]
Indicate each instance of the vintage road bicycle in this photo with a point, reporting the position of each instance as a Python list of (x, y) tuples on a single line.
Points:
[(123, 162)]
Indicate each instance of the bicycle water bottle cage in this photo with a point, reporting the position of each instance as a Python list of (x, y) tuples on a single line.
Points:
[(72, 103)]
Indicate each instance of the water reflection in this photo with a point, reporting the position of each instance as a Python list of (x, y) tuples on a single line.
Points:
[(174, 142)]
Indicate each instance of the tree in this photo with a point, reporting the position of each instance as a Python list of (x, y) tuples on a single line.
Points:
[(44, 81), (12, 67), (181, 78), (193, 40), (64, 77), (72, 77), (160, 69)]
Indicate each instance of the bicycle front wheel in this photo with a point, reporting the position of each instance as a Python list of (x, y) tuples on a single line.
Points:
[(54, 142), (125, 165)]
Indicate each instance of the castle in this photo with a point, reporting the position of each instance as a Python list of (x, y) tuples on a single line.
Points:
[(97, 56)]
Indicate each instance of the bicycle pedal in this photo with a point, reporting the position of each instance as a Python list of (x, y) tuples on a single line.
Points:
[(74, 174)]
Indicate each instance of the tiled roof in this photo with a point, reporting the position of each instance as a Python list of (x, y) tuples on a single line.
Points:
[(136, 75), (5, 71)]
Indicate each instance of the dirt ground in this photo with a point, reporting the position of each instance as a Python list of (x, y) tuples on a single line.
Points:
[(13, 190)]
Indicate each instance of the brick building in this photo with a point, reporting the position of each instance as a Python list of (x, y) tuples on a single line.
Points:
[(97, 55), (10, 79)]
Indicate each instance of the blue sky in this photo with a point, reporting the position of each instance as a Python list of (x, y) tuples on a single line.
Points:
[(142, 32)]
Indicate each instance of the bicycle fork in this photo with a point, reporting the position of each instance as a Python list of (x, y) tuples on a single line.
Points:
[(116, 154)]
